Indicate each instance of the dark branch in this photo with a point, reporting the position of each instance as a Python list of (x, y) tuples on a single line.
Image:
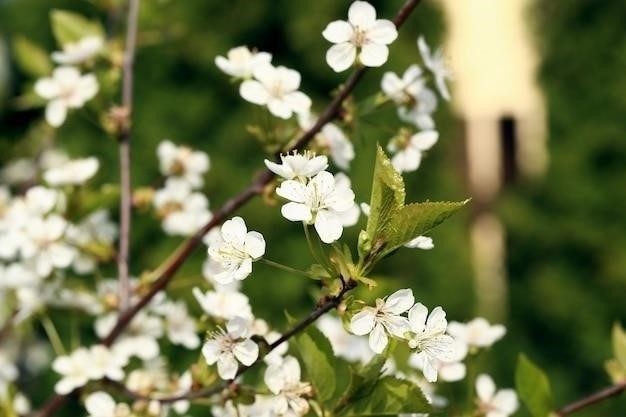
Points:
[(596, 397)]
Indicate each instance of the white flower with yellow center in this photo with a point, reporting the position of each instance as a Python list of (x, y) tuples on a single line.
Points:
[(361, 32), (283, 380), (298, 166), (66, 89), (230, 347)]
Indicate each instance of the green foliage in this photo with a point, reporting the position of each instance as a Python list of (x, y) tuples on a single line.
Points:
[(31, 58), (390, 396), (533, 387), (327, 373), (391, 223), (619, 344), (69, 27)]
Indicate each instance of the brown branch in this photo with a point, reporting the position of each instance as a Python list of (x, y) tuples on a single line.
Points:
[(324, 306), (596, 397), (164, 273), (124, 133)]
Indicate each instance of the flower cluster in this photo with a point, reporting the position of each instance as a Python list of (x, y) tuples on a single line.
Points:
[(182, 209), (315, 196)]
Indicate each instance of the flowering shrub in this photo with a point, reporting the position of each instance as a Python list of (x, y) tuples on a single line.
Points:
[(347, 357)]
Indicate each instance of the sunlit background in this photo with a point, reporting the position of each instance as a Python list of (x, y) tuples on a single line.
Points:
[(535, 134)]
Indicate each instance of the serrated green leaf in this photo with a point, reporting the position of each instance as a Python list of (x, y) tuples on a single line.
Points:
[(327, 373), (417, 219), (387, 195), (619, 344), (390, 396), (69, 27), (31, 58), (533, 387)]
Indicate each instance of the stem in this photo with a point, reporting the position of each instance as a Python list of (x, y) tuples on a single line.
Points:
[(324, 306), (168, 269), (53, 336), (287, 268), (596, 397), (124, 290), (309, 242)]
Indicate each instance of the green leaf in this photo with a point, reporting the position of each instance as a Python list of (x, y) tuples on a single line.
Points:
[(417, 219), (31, 58), (327, 373), (619, 344), (391, 223), (69, 27), (387, 196), (362, 381), (533, 387), (390, 396)]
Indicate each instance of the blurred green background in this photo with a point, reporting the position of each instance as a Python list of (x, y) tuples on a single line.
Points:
[(566, 232)]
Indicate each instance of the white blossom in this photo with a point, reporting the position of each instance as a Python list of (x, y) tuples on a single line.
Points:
[(84, 365), (96, 230), (224, 304), (361, 32), (408, 153), (101, 404), (345, 345), (234, 253), (435, 62), (183, 162), (296, 166), (449, 371), (180, 327), (230, 346), (320, 202), (240, 62), (66, 89), (75, 172), (182, 210), (403, 91), (384, 318), (420, 113), (420, 242), (492, 403), (351, 216), (428, 337), (44, 246), (331, 140), (140, 337), (276, 88), (477, 333), (283, 380), (77, 52)]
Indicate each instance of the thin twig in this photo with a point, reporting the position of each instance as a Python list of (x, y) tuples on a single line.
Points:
[(596, 397), (171, 265), (324, 306), (124, 152)]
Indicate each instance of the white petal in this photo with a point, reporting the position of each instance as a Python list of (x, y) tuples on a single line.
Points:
[(56, 112), (279, 169), (437, 322), (382, 32), (362, 14), (378, 339), (442, 87), (298, 101), (399, 302), (246, 352), (417, 317), (506, 401), (453, 372), (429, 370), (391, 84), (254, 245), (47, 88), (341, 56), (373, 55), (254, 92), (363, 322), (396, 325), (234, 231), (210, 351), (100, 404), (227, 366), (292, 190), (338, 31), (328, 226), (424, 140), (485, 388), (279, 108), (296, 212)]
